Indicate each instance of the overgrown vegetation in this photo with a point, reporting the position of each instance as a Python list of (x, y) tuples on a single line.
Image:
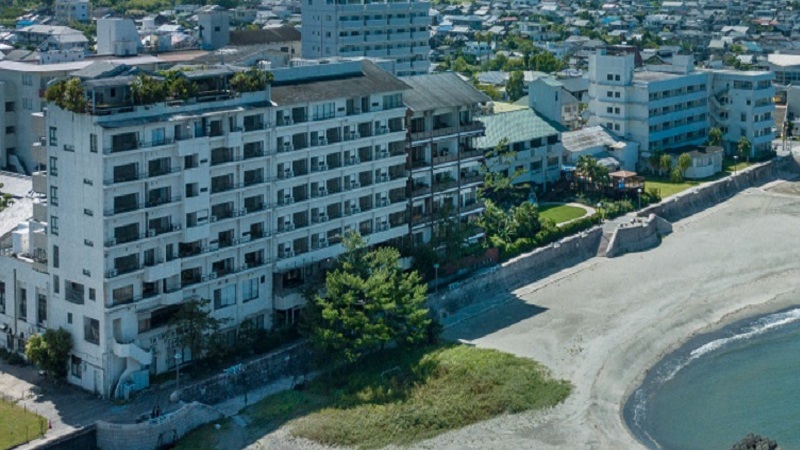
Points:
[(402, 396), (67, 94), (50, 352), (6, 199), (18, 425)]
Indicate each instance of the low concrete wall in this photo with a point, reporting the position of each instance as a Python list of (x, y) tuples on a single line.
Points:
[(155, 433), (519, 271), (641, 235), (292, 360), (704, 196), (81, 439)]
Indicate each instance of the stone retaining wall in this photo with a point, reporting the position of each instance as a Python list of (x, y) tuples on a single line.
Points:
[(155, 433), (639, 236), (519, 271)]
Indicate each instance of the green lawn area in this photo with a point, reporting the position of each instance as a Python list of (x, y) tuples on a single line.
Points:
[(728, 165), (400, 398), (667, 187), (18, 426), (561, 213)]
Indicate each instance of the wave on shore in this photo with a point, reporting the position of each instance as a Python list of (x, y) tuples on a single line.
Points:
[(635, 409)]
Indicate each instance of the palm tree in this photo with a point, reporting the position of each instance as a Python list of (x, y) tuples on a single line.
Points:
[(744, 147), (666, 163), (655, 161), (715, 137), (684, 162)]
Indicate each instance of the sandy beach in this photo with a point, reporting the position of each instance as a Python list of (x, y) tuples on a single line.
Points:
[(603, 323)]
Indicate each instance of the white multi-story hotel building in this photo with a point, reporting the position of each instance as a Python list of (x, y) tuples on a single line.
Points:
[(741, 104), (389, 29), (658, 109), (672, 106), (232, 197)]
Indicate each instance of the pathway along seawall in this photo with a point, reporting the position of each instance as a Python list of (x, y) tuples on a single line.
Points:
[(655, 222)]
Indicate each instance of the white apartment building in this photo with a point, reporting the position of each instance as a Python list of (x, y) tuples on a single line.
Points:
[(234, 197), (445, 163), (741, 105), (393, 29), (658, 109), (67, 11), (672, 106)]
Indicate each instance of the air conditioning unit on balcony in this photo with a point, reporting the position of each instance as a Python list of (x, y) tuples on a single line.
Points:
[(287, 147), (245, 266), (288, 173), (323, 242), (212, 275), (288, 226), (384, 177), (323, 141), (382, 225), (384, 153), (288, 199), (322, 166), (151, 233), (354, 208), (355, 159), (112, 242), (323, 192), (112, 273), (212, 219), (354, 184), (323, 217), (287, 253), (384, 129), (356, 135), (384, 201)]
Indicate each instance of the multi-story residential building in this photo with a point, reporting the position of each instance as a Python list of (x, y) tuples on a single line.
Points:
[(548, 97), (232, 197), (67, 11), (532, 144), (672, 106), (659, 109), (741, 105), (393, 29), (445, 164)]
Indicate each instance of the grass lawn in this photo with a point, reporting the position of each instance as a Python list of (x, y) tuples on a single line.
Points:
[(728, 165), (561, 213), (18, 426), (667, 187), (402, 397)]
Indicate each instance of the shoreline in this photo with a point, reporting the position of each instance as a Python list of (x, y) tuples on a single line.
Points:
[(604, 324), (740, 316), (605, 332)]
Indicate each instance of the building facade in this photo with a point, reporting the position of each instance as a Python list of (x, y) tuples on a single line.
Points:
[(444, 162), (657, 109), (741, 105), (238, 198), (67, 11), (388, 29)]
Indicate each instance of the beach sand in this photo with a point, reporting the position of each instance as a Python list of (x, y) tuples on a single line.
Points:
[(603, 323)]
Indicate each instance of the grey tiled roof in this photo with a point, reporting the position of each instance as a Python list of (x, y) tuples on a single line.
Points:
[(372, 80), (516, 126), (442, 90)]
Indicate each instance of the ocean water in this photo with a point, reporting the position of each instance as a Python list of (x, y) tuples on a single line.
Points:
[(718, 387)]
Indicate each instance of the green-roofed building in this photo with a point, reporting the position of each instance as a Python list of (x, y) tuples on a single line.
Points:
[(535, 142)]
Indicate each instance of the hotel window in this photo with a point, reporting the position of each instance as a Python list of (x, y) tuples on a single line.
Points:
[(27, 103), (224, 297), (53, 139), (93, 143), (609, 77), (75, 366), (54, 195), (54, 225), (53, 166), (250, 290)]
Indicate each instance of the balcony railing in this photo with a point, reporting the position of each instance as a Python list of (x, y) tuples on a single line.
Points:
[(472, 127)]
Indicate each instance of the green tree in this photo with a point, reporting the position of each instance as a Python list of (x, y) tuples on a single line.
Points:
[(368, 302), (6, 199), (655, 161), (545, 61), (715, 137), (591, 172), (744, 147), (498, 183), (684, 162), (50, 352), (676, 175), (515, 86), (68, 95), (252, 80), (194, 326), (147, 90), (665, 163)]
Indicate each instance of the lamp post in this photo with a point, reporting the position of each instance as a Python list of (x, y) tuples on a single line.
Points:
[(735, 163), (639, 195), (178, 358), (436, 278), (600, 210)]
